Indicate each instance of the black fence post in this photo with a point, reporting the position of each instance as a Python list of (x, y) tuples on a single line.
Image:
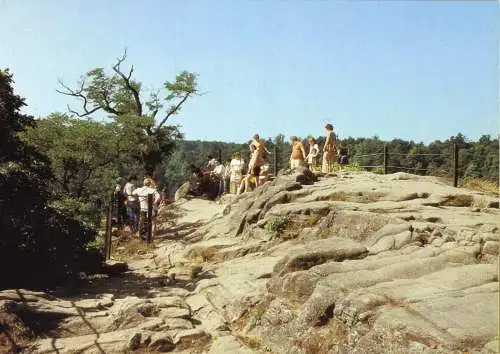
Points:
[(149, 221), (107, 235), (386, 159), (455, 165)]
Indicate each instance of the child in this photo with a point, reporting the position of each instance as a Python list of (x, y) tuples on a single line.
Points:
[(313, 154)]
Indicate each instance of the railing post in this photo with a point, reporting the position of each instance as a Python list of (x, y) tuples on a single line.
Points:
[(149, 220), (220, 155), (275, 162), (107, 235), (386, 158), (455, 165)]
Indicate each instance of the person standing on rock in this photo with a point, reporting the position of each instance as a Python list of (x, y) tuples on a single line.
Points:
[(218, 173), (132, 204), (142, 194), (257, 160), (298, 153), (236, 172), (312, 157), (329, 149), (119, 201), (227, 176)]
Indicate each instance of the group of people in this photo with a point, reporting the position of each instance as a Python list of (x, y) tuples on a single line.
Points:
[(331, 149), (236, 178), (132, 204), (233, 176)]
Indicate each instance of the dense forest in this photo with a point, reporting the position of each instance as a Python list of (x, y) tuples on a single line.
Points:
[(57, 172)]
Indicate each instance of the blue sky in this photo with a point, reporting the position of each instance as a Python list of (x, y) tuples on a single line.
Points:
[(421, 70)]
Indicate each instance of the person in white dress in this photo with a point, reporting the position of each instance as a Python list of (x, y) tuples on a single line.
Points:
[(236, 173), (313, 154)]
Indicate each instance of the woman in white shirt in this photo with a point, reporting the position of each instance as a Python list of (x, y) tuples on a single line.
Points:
[(236, 173)]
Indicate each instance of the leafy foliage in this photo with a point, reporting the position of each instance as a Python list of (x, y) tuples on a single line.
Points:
[(38, 244), (140, 123)]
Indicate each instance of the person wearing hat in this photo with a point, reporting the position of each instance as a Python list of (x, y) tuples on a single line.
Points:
[(142, 194)]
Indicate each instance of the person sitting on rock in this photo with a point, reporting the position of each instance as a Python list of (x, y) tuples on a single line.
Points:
[(248, 184), (298, 153), (264, 174)]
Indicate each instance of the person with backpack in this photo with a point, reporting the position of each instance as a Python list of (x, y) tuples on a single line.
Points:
[(142, 194)]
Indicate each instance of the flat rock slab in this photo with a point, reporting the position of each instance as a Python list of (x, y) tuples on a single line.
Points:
[(320, 251), (111, 342), (229, 344)]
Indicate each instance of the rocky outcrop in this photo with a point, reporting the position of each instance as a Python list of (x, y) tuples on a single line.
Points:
[(354, 263), (338, 263)]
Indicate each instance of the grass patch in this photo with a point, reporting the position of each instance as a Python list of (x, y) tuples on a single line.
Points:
[(482, 185), (312, 220), (277, 225), (127, 247)]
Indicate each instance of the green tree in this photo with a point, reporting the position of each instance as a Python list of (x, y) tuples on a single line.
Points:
[(83, 155), (38, 244), (141, 123)]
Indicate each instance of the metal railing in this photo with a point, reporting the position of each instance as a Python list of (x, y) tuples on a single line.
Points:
[(387, 167)]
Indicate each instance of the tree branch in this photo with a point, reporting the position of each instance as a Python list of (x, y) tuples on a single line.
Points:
[(128, 85), (174, 109), (107, 107), (78, 93)]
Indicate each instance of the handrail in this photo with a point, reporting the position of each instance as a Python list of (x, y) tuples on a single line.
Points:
[(410, 155), (377, 154)]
